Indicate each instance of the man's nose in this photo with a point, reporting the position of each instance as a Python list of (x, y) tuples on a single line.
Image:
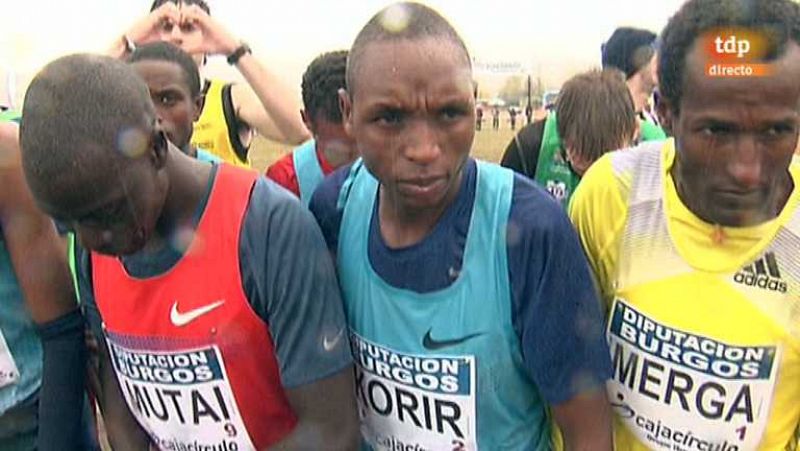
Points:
[(745, 165), (423, 145)]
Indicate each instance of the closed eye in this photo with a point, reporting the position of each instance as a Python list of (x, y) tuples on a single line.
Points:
[(108, 215)]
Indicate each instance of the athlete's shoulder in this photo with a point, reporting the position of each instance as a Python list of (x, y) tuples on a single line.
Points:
[(283, 173), (274, 215), (324, 204), (530, 200), (268, 197), (611, 175), (534, 215), (208, 157), (326, 197)]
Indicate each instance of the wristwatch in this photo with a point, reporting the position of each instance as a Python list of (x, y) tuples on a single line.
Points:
[(243, 48)]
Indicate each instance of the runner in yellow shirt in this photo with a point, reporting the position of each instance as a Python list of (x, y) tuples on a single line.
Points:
[(694, 242)]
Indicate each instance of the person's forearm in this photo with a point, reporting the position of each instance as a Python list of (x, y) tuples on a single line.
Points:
[(585, 422), (61, 397), (276, 100)]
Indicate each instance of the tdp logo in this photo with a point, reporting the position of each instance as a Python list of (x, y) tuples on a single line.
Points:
[(732, 45), (762, 273)]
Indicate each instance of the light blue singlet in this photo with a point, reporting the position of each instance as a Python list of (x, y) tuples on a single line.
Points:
[(306, 167), (439, 370)]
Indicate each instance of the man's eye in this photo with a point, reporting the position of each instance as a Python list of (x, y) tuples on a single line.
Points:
[(187, 27), (780, 130), (166, 99), (717, 130), (452, 113), (389, 117)]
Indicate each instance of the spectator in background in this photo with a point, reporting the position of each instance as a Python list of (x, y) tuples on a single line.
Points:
[(301, 171), (495, 118), (174, 84), (232, 110), (632, 50), (512, 117), (595, 114)]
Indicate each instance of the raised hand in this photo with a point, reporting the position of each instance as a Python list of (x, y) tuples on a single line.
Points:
[(216, 39), (152, 27)]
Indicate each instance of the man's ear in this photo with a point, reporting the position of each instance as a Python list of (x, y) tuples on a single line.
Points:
[(346, 107), (666, 115), (199, 102)]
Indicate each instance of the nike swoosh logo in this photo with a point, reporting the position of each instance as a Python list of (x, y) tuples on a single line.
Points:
[(328, 345), (183, 318), (433, 345)]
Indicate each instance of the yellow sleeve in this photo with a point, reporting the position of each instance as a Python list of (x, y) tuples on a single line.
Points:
[(598, 210)]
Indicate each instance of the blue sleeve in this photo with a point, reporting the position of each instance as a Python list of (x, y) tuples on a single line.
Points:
[(290, 280), (64, 418), (556, 311)]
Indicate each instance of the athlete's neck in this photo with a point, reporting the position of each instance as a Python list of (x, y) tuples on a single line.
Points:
[(402, 225), (188, 180), (337, 156), (190, 150)]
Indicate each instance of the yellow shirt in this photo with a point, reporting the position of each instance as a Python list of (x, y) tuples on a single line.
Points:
[(704, 333), (212, 131)]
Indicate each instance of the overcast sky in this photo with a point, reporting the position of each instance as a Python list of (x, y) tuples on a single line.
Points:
[(552, 39)]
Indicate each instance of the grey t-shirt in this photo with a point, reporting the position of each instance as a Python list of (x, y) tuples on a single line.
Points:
[(287, 276)]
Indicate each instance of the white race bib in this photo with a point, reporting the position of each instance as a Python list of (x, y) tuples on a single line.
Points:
[(183, 399), (683, 392), (414, 402), (9, 373)]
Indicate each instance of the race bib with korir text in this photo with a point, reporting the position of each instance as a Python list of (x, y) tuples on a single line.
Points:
[(418, 402)]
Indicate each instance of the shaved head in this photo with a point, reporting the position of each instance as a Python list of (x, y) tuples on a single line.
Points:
[(81, 112), (402, 21), (93, 154)]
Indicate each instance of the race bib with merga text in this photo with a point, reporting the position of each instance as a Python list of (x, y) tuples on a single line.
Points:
[(680, 391)]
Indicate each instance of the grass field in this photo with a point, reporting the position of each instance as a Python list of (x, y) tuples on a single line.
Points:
[(489, 145)]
